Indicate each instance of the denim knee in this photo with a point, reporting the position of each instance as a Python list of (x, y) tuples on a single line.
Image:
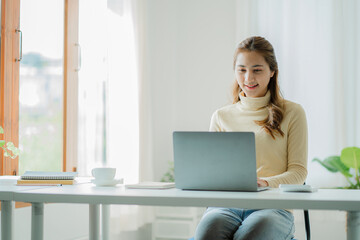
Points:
[(217, 224), (267, 224), (239, 224)]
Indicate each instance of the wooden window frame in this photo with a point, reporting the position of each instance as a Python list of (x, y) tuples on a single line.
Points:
[(71, 68), (9, 83)]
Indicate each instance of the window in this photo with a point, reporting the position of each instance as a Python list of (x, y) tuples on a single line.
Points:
[(41, 85), (48, 83)]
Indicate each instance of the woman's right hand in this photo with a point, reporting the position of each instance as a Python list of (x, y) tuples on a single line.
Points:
[(262, 183)]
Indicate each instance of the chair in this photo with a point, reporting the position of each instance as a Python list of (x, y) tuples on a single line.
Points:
[(307, 224)]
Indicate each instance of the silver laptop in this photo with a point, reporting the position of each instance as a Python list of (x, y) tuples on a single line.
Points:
[(222, 161)]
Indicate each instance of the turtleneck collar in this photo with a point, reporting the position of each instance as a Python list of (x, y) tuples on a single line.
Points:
[(254, 103)]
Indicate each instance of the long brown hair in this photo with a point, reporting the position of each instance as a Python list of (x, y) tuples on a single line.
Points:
[(271, 124)]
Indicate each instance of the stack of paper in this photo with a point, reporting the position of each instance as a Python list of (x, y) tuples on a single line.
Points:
[(152, 185)]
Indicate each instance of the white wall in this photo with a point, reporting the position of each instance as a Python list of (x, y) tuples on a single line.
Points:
[(189, 51)]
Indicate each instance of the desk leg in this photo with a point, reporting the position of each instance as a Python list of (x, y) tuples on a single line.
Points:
[(105, 221), (37, 221), (6, 219), (94, 222), (353, 225)]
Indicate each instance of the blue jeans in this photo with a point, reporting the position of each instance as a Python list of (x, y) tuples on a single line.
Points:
[(237, 224)]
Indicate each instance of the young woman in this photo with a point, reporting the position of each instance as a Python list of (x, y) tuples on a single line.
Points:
[(281, 144)]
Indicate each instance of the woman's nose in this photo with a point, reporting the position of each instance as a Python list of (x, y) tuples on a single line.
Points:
[(248, 77)]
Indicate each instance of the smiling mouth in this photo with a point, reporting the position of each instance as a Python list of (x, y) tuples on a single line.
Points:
[(252, 86)]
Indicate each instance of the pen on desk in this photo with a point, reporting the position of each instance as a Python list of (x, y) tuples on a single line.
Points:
[(40, 184)]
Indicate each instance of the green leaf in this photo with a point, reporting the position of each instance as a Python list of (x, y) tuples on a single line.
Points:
[(2, 143), (326, 165), (335, 161), (350, 156), (11, 147), (334, 164), (1, 130), (16, 151)]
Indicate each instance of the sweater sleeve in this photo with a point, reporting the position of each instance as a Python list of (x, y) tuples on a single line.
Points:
[(214, 123), (297, 151)]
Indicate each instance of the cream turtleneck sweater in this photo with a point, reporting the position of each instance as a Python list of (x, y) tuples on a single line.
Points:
[(283, 160)]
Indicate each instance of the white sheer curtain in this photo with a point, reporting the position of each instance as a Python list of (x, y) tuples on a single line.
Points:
[(318, 51), (111, 99), (126, 106), (93, 78)]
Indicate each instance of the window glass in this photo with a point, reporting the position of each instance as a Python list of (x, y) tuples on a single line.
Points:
[(41, 85)]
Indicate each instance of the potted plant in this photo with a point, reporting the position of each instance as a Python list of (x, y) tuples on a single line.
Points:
[(169, 175), (9, 148), (348, 164)]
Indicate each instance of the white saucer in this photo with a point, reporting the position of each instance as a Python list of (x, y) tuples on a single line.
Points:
[(112, 182)]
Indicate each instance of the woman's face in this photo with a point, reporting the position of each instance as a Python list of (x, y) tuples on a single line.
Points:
[(252, 73)]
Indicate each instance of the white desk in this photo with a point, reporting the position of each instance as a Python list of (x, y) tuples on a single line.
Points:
[(6, 196), (329, 199), (7, 205)]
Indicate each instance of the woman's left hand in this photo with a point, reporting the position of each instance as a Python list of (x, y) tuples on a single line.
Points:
[(262, 183)]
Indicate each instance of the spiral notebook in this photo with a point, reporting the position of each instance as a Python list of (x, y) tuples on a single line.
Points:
[(40, 175)]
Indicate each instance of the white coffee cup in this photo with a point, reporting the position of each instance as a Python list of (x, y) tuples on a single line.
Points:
[(104, 173)]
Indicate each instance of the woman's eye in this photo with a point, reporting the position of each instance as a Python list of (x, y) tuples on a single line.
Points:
[(257, 70), (242, 70)]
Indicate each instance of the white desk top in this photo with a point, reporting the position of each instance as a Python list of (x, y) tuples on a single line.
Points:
[(331, 199), (7, 191)]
